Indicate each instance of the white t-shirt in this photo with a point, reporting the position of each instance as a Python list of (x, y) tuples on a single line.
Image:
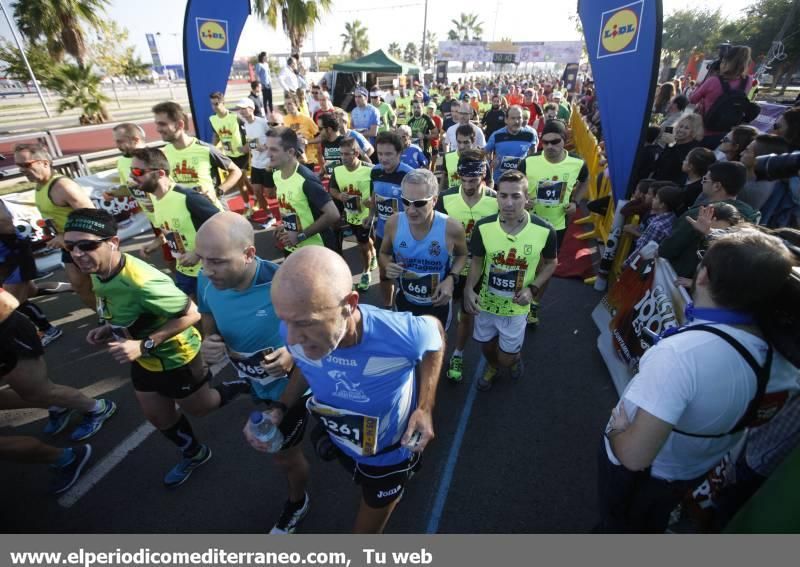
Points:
[(480, 139), (257, 134), (698, 383)]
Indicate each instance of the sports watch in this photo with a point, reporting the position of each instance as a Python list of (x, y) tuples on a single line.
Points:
[(301, 236), (147, 346)]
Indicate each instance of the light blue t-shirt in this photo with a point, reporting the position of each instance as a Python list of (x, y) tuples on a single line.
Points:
[(365, 393), (364, 118), (414, 157), (247, 322), (511, 148)]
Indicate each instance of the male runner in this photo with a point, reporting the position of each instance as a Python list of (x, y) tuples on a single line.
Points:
[(465, 140), (423, 128), (229, 133), (511, 144), (256, 129), (423, 249)]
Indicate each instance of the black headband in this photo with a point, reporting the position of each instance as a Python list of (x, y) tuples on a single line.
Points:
[(99, 227)]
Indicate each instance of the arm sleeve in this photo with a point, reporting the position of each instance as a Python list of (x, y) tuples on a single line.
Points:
[(420, 336), (332, 184), (217, 158), (316, 194), (521, 167), (202, 288), (161, 297), (200, 208), (583, 174), (550, 250), (359, 138), (476, 246), (489, 147)]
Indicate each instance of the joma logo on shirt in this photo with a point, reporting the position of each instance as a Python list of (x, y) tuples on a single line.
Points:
[(342, 361)]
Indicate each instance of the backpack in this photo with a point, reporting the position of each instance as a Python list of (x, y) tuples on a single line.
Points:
[(730, 109)]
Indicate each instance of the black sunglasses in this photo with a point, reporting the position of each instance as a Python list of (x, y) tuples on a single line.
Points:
[(551, 142), (418, 203), (85, 245), (274, 124)]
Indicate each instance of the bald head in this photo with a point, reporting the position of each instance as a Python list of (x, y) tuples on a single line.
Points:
[(313, 275), (227, 229)]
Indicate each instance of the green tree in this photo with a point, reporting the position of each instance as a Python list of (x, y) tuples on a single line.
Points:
[(428, 55), (134, 69), (410, 53), (297, 17), (59, 24), (690, 30), (355, 40), (14, 66), (394, 50), (466, 27), (80, 87)]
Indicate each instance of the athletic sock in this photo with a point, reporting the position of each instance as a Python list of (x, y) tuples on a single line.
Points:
[(36, 315), (182, 436), (458, 352)]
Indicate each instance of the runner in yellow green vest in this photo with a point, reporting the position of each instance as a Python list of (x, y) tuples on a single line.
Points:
[(193, 163), (308, 214), (56, 197), (469, 202), (350, 184), (178, 212), (513, 255), (465, 140), (402, 104), (229, 133)]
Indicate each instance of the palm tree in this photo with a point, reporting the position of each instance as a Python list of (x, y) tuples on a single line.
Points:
[(57, 24), (431, 47), (394, 50), (80, 87), (467, 25), (297, 16), (355, 35), (410, 54)]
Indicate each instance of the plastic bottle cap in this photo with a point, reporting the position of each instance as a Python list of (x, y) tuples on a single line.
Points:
[(256, 417)]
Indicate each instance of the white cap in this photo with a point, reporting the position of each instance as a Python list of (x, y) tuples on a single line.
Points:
[(246, 103)]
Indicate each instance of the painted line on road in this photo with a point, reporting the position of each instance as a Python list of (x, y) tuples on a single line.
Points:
[(452, 458), (99, 470)]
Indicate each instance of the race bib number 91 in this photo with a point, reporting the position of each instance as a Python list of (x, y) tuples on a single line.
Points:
[(549, 192)]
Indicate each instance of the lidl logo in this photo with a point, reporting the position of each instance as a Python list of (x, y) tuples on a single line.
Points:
[(212, 35), (619, 30)]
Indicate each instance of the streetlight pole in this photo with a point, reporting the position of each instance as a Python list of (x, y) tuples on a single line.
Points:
[(25, 59), (424, 39)]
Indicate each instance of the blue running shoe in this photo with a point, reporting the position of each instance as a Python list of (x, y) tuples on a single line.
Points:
[(68, 475), (92, 422), (57, 420), (181, 472)]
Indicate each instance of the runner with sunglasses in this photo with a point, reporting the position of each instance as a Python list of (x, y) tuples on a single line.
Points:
[(423, 249), (148, 322)]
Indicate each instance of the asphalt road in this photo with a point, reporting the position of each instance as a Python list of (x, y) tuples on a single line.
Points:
[(517, 459)]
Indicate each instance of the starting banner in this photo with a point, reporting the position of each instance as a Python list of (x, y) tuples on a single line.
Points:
[(211, 31), (623, 40)]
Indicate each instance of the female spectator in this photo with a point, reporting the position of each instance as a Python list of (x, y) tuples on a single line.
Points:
[(733, 71), (695, 166), (688, 133), (788, 127), (675, 111), (664, 94), (735, 141), (756, 193)]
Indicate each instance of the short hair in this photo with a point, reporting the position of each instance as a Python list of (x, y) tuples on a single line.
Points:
[(254, 84), (328, 120), (550, 106), (130, 130), (37, 151), (389, 138), (681, 102), (287, 137), (700, 159), (291, 98), (262, 56), (732, 175), (643, 185), (742, 136), (696, 124), (652, 134), (513, 176), (348, 142), (747, 269), (672, 197), (472, 154), (153, 158), (173, 110), (424, 177), (466, 130), (770, 144), (404, 130), (217, 95)]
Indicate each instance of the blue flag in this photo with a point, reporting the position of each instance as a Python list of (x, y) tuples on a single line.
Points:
[(623, 40), (211, 31)]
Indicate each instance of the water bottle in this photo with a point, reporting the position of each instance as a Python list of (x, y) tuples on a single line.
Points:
[(265, 431)]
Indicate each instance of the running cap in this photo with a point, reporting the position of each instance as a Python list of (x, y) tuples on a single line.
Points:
[(92, 221), (246, 103), (361, 91)]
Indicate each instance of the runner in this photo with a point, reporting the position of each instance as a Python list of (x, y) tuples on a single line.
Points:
[(560, 181), (447, 107), (507, 250), (350, 184), (412, 155), (179, 212), (423, 128), (233, 286), (147, 322), (402, 103), (510, 145), (364, 147), (372, 373), (364, 117), (304, 127), (255, 96), (385, 190), (465, 140), (495, 118), (256, 129), (436, 134), (462, 115), (388, 117), (307, 213), (424, 250), (193, 162), (331, 141), (229, 133), (468, 203), (56, 196)]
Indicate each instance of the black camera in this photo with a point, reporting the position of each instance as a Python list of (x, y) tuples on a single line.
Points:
[(724, 48), (777, 166)]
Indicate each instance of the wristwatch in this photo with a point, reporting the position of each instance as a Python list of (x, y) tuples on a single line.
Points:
[(301, 236), (147, 346), (455, 277)]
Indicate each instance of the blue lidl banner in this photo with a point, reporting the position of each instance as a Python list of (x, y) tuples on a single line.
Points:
[(211, 30), (623, 40)]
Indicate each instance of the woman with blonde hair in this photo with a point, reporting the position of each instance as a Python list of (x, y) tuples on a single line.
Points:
[(688, 133)]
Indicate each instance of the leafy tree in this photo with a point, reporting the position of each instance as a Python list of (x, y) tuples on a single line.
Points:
[(431, 48), (466, 27), (355, 40), (394, 50), (58, 24), (80, 87), (297, 17), (410, 53), (14, 66), (689, 30)]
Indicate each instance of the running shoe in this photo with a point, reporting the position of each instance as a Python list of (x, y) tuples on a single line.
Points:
[(181, 472), (517, 370), (373, 264), (68, 475), (293, 514), (92, 422), (533, 315), (455, 372), (50, 335), (57, 420), (366, 279), (485, 382)]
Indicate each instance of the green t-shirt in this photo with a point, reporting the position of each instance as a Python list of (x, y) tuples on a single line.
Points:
[(138, 301), (387, 117), (142, 198)]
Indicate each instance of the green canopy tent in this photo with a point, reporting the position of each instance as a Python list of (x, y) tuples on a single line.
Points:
[(377, 62)]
